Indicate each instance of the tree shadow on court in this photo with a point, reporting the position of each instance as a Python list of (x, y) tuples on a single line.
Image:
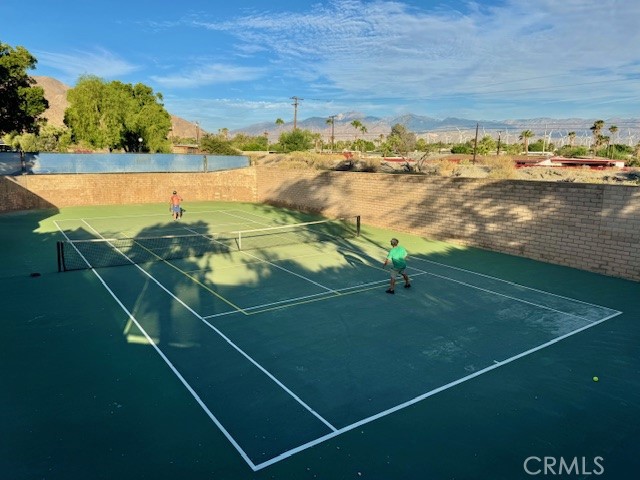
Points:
[(170, 298), (513, 217), (165, 287)]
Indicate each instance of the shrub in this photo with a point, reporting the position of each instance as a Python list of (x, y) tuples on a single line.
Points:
[(502, 167)]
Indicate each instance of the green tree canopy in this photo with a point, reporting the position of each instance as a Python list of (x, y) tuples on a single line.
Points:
[(486, 145), (217, 145), (296, 141), (401, 140), (117, 116), (21, 103), (525, 136)]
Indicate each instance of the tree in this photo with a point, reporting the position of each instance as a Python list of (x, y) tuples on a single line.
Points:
[(117, 116), (572, 138), (357, 124), (525, 136), (331, 121), (613, 129), (217, 145), (486, 145), (541, 145), (401, 140), (296, 141), (596, 128), (279, 121), (604, 140), (247, 143), (363, 147), (636, 153), (21, 103)]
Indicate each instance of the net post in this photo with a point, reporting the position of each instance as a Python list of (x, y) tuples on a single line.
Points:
[(59, 249)]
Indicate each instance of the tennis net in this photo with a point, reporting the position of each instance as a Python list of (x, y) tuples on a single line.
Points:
[(110, 252)]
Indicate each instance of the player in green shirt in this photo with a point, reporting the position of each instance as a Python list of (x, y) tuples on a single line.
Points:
[(398, 256)]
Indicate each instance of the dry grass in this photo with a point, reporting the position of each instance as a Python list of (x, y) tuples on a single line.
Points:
[(491, 167), (448, 168), (297, 160), (502, 168)]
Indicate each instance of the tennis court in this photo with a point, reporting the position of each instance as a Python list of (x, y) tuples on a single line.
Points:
[(247, 341)]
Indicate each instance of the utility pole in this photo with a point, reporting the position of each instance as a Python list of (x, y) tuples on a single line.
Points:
[(475, 144), (295, 111), (333, 120), (499, 132)]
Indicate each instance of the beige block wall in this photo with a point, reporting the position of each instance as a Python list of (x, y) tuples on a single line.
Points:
[(591, 227), (32, 191)]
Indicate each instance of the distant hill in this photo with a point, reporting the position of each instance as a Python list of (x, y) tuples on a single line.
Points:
[(449, 129), (56, 94), (453, 129)]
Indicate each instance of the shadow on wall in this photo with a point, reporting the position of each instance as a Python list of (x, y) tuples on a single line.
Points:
[(15, 197), (560, 223), (327, 193)]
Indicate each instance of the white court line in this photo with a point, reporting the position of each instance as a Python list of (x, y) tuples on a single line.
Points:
[(292, 273), (513, 283), (423, 396), (255, 215), (306, 297), (335, 432), (171, 366), (500, 280), (294, 257), (298, 299), (272, 264), (166, 214), (223, 336), (246, 219), (514, 298)]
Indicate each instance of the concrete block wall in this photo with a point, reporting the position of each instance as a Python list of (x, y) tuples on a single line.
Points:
[(125, 188), (586, 226)]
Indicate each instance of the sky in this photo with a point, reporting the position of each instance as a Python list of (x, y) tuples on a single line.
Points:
[(232, 64)]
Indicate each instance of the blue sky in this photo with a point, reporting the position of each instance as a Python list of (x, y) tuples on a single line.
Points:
[(235, 63)]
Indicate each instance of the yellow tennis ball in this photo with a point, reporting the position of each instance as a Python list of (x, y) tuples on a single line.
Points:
[(595, 379)]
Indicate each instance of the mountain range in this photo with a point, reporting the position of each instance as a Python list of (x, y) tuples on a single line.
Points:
[(449, 129)]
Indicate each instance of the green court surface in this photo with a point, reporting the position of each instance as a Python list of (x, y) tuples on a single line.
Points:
[(287, 360)]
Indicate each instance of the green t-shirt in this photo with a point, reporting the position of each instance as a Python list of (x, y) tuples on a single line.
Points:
[(397, 256)]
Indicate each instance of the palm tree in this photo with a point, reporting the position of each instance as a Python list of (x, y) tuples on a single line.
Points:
[(317, 141), (364, 130), (357, 124), (596, 129), (572, 137), (613, 129), (331, 121), (525, 136), (279, 121)]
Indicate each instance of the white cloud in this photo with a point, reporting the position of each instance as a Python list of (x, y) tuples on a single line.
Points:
[(388, 49), (225, 112), (216, 73), (100, 62)]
